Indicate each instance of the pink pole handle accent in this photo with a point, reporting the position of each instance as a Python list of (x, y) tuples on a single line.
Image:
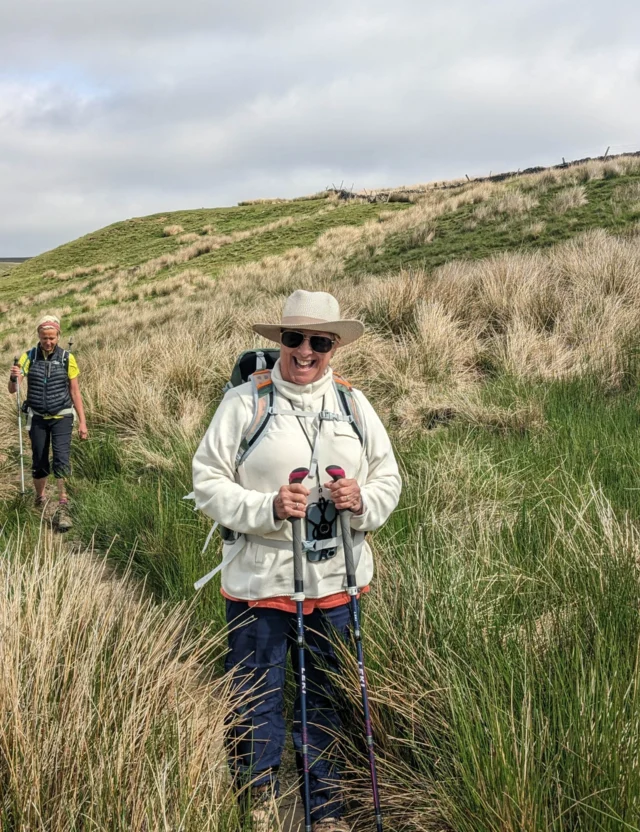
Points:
[(297, 475), (335, 472)]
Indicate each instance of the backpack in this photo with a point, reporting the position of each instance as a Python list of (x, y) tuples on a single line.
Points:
[(255, 366), (247, 363)]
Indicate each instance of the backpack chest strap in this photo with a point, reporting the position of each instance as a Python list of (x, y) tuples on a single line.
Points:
[(264, 410), (320, 415)]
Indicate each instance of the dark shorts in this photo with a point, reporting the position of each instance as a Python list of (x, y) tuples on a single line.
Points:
[(46, 434)]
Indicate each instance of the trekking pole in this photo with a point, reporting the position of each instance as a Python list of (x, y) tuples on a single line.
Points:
[(297, 476), (16, 364), (336, 473)]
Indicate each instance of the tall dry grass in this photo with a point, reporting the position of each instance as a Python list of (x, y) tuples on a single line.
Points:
[(152, 373), (106, 719), (432, 336), (569, 198), (513, 201), (495, 697), (172, 230)]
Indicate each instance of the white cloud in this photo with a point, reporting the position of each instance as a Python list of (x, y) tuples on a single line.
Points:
[(110, 109)]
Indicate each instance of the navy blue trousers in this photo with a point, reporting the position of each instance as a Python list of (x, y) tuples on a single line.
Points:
[(259, 640)]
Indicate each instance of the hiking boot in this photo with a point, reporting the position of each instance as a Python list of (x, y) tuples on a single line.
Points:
[(331, 825), (62, 518), (264, 813), (39, 501)]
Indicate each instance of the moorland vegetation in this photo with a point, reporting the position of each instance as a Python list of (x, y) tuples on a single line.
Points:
[(503, 329)]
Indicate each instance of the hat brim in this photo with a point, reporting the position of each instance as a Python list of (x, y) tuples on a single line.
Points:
[(347, 331)]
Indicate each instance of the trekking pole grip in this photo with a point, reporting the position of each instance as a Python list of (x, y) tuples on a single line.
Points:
[(336, 473), (297, 476), (296, 528), (347, 542)]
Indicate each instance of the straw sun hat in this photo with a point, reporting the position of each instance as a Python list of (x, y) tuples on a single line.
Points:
[(314, 311)]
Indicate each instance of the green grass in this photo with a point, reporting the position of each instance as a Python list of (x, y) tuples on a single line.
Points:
[(6, 269), (135, 241), (535, 726), (503, 627), (301, 235), (529, 730), (456, 240)]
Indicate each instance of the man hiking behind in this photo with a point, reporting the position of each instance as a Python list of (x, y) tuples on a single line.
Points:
[(53, 399)]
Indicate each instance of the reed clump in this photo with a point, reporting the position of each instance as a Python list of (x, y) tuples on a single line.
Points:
[(107, 719)]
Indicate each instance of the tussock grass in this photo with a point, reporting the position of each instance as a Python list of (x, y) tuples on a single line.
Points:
[(512, 202), (535, 229), (188, 238), (79, 271), (569, 198), (172, 230), (106, 719), (506, 699), (519, 643), (629, 192)]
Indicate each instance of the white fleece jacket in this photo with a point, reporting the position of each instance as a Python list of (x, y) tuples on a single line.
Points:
[(242, 500)]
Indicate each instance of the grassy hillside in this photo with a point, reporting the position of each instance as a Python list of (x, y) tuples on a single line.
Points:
[(501, 351), (6, 269), (227, 236), (535, 214)]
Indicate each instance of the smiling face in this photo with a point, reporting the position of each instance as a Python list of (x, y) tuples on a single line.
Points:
[(49, 338), (301, 365)]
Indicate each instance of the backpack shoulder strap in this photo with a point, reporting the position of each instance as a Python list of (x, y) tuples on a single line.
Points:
[(349, 405), (262, 388), (32, 354)]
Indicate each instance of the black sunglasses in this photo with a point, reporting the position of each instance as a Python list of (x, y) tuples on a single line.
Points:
[(318, 343)]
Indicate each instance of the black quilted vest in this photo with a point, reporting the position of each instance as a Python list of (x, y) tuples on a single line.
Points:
[(48, 382)]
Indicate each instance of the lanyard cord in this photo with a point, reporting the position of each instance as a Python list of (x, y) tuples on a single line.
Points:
[(299, 421), (313, 445)]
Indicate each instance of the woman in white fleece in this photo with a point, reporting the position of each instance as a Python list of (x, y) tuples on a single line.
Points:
[(252, 498)]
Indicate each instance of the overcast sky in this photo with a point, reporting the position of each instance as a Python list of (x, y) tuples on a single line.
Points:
[(118, 108)]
